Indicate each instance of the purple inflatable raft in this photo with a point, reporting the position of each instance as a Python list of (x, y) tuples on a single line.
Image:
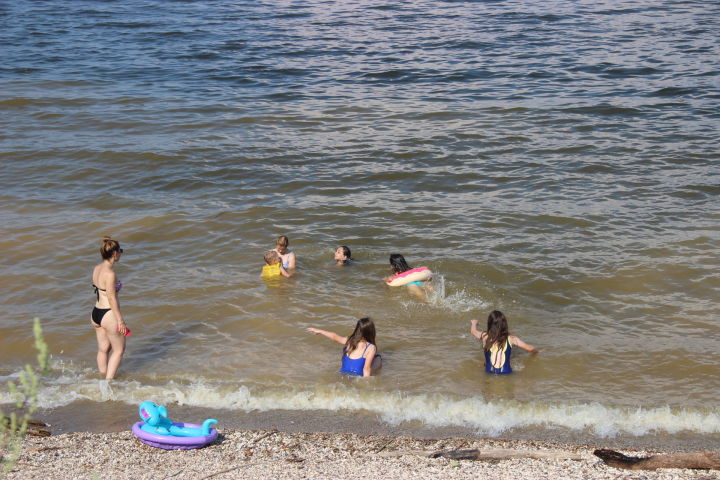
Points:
[(171, 442), (157, 430)]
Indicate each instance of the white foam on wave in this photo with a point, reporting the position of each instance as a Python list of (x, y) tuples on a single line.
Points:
[(461, 301), (436, 295), (438, 410), (458, 302)]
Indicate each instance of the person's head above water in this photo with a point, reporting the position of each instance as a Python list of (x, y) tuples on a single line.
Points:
[(282, 244), (342, 254), (109, 248), (398, 263), (272, 257), (497, 329), (364, 331)]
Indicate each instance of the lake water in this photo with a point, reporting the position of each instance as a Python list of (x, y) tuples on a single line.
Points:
[(556, 161)]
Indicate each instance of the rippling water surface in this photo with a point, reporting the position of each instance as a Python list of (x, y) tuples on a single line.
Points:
[(554, 161)]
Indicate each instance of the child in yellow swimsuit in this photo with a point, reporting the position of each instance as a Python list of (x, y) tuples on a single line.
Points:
[(273, 265)]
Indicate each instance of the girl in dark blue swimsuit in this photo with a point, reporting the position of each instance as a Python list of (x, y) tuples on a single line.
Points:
[(360, 353), (498, 343)]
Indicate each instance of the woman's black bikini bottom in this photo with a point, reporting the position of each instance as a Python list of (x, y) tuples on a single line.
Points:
[(98, 314)]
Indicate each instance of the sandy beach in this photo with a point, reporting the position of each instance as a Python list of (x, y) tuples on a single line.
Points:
[(274, 454)]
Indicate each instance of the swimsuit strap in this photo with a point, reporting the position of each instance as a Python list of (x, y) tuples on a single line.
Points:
[(97, 294), (345, 352)]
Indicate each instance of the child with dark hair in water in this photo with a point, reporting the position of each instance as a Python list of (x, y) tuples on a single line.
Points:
[(498, 342), (342, 255), (417, 280), (360, 352)]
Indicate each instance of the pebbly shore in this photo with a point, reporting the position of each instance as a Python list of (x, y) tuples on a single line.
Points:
[(274, 454)]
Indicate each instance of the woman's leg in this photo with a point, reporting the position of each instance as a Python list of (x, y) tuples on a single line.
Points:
[(117, 344), (116, 355), (103, 348)]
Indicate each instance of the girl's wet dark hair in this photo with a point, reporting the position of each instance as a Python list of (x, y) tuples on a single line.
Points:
[(398, 263), (109, 247), (497, 330), (346, 251), (364, 330)]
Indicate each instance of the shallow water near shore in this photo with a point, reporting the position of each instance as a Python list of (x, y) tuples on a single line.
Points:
[(88, 416), (558, 163)]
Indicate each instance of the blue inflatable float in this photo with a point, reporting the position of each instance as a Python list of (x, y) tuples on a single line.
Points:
[(157, 430)]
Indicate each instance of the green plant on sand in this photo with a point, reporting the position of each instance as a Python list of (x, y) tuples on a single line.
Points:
[(13, 427)]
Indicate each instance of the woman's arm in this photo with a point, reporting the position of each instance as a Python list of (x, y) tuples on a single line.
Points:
[(525, 346), (110, 280), (332, 336), (367, 369), (291, 260)]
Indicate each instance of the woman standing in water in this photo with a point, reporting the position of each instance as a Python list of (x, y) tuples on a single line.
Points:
[(288, 257), (110, 327)]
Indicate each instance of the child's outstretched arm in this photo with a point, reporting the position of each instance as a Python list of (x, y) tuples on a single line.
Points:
[(525, 346), (332, 336), (284, 272), (474, 331)]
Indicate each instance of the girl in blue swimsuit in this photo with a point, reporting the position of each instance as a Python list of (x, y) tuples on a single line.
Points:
[(498, 343), (360, 353)]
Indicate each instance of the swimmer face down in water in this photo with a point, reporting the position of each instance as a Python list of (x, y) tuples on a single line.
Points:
[(398, 264)]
